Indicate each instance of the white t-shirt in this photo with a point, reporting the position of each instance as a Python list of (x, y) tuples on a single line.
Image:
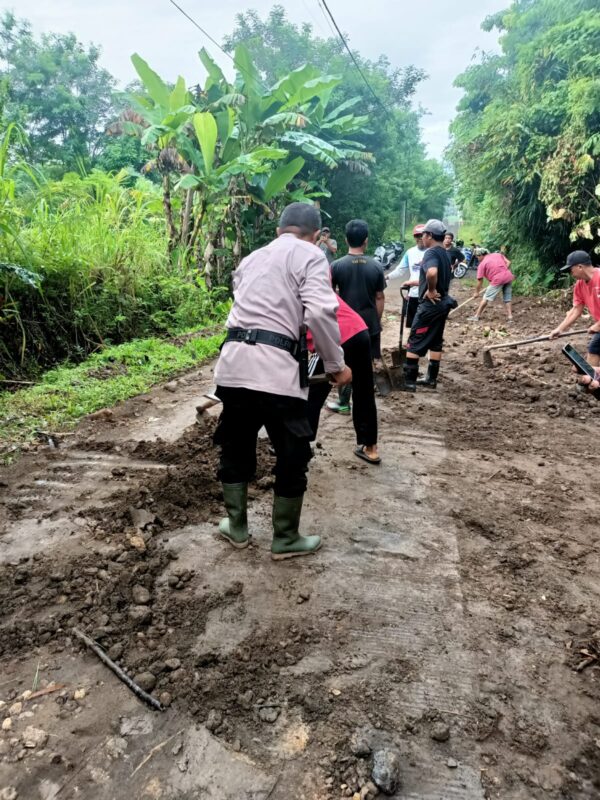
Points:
[(411, 260)]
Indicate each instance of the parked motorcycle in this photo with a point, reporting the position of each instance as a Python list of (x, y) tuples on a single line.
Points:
[(389, 255), (469, 263)]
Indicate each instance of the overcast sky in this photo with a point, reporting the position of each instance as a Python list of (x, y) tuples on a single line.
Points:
[(442, 41)]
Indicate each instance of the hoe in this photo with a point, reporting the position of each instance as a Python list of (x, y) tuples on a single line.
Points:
[(487, 355)]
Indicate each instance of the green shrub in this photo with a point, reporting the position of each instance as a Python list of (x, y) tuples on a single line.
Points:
[(99, 248)]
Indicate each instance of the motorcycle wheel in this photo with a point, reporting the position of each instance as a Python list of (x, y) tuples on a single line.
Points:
[(460, 271)]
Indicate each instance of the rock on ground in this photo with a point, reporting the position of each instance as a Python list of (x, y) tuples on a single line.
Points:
[(386, 770)]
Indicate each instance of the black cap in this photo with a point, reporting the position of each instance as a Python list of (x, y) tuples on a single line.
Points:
[(577, 258)]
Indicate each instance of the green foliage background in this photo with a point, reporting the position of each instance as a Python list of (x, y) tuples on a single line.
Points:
[(526, 140), (122, 214), (401, 172)]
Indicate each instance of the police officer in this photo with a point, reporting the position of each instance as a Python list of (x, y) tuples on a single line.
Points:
[(260, 374)]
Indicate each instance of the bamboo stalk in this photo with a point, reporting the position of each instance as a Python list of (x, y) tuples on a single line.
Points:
[(137, 690)]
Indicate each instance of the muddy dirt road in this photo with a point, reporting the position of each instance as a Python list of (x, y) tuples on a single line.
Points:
[(444, 620)]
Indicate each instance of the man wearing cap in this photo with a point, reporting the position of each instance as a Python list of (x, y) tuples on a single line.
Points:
[(276, 290), (327, 244), (411, 260), (427, 331), (586, 294)]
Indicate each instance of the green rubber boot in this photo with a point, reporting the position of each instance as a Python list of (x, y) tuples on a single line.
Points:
[(234, 527), (287, 542)]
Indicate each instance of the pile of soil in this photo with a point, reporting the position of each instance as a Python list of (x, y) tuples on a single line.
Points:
[(186, 492)]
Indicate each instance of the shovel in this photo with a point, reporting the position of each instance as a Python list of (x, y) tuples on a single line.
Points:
[(488, 361), (395, 373), (207, 401)]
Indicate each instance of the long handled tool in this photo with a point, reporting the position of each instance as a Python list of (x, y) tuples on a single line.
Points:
[(208, 401), (464, 303), (488, 361), (395, 373)]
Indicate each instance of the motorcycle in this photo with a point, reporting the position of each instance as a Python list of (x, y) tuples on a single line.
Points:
[(389, 255), (471, 262)]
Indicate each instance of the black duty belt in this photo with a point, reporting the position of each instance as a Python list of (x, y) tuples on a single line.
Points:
[(258, 336)]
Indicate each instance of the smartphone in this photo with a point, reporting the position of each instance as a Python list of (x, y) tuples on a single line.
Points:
[(581, 365), (578, 361)]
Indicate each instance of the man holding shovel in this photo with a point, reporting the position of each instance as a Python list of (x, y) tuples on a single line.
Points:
[(411, 261), (494, 267), (427, 332), (586, 294)]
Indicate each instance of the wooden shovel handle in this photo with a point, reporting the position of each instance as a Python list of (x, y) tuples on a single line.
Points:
[(464, 303), (535, 339)]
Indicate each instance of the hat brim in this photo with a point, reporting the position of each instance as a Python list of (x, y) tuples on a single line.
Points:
[(567, 267)]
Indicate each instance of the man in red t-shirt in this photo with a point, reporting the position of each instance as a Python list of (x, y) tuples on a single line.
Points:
[(586, 294), (494, 267)]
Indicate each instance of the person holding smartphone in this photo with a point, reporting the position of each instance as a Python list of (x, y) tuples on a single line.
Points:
[(327, 244)]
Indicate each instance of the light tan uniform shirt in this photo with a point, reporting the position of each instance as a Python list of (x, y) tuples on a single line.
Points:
[(278, 288)]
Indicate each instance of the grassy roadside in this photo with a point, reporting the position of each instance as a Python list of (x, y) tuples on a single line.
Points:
[(66, 394)]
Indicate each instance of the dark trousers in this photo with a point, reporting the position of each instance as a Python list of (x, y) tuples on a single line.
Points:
[(357, 354), (409, 309), (345, 393), (285, 418)]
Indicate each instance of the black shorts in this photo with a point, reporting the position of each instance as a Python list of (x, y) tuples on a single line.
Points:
[(594, 345), (424, 337)]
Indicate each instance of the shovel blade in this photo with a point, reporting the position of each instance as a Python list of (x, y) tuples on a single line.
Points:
[(398, 357), (383, 383), (488, 361)]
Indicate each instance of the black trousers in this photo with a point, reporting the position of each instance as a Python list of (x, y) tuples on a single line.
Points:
[(409, 309), (357, 354), (244, 413)]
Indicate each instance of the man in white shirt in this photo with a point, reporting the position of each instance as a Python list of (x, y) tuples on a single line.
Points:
[(411, 260)]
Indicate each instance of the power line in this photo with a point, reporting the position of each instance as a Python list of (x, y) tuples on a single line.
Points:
[(351, 54), (214, 41), (314, 18), (327, 20)]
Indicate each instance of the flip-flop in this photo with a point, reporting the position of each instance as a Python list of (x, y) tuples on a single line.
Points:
[(360, 452)]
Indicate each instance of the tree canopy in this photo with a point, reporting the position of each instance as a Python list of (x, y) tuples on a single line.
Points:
[(525, 142), (401, 172), (56, 90)]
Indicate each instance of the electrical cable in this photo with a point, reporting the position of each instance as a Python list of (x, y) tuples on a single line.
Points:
[(214, 41), (314, 18), (327, 20), (351, 54)]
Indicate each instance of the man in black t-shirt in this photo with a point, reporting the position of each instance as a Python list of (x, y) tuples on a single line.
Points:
[(359, 280), (456, 255), (427, 331)]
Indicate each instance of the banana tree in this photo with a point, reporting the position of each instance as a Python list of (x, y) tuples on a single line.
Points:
[(227, 147), (161, 119)]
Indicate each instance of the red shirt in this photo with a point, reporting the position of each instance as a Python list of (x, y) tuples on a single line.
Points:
[(495, 268), (588, 295), (349, 321)]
